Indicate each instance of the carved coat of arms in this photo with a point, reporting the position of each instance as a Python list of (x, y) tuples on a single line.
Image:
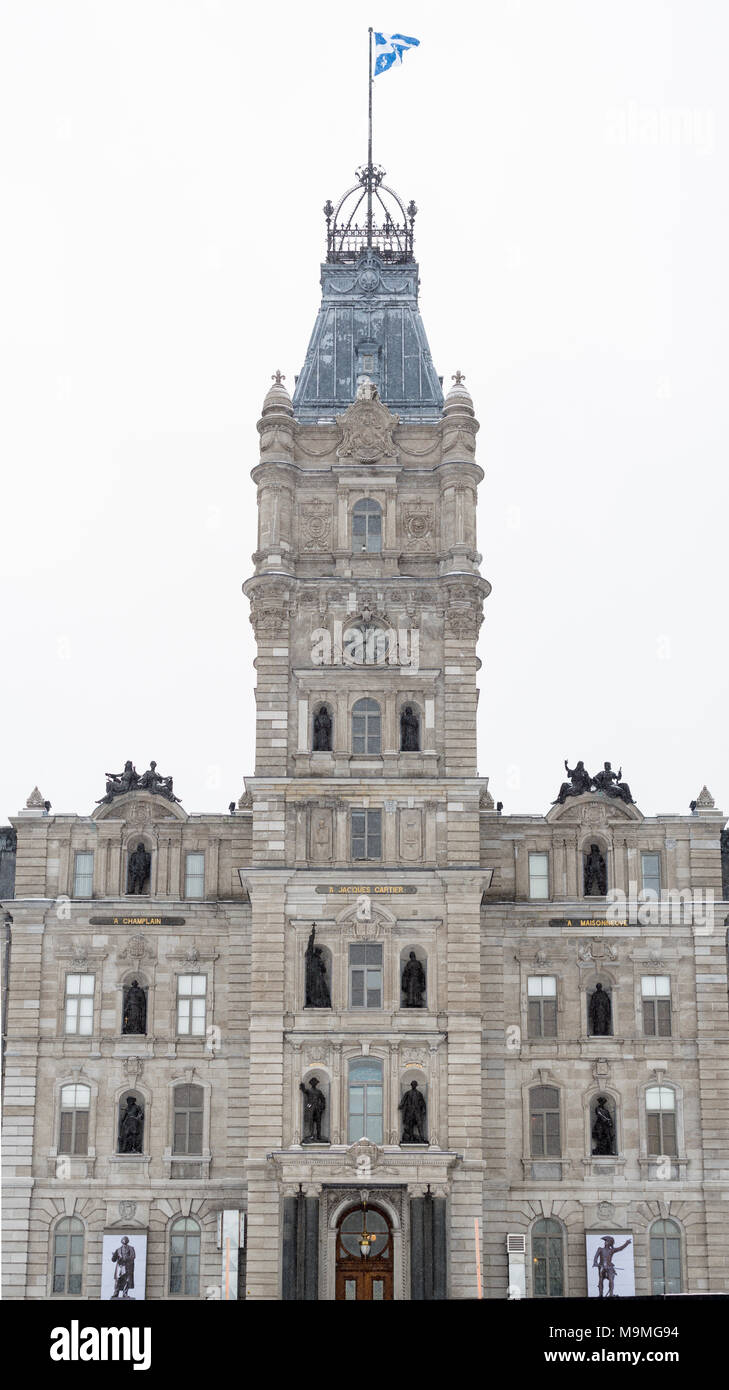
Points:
[(367, 427)]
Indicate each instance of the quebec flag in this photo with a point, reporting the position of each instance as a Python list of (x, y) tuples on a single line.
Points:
[(389, 49)]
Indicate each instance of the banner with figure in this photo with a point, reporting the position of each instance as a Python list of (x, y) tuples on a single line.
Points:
[(610, 1271), (124, 1266)]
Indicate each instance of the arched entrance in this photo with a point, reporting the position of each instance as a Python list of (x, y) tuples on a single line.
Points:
[(364, 1277)]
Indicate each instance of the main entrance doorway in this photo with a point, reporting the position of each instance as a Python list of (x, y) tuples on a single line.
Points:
[(364, 1276)]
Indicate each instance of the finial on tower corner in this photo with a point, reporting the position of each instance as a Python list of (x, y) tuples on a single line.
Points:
[(458, 378), (278, 377)]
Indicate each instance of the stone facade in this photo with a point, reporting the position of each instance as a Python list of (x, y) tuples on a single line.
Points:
[(369, 822)]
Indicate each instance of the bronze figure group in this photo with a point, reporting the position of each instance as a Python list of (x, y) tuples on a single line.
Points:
[(605, 781), (121, 783)]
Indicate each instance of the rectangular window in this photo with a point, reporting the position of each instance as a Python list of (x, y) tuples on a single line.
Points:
[(539, 875), (74, 1133), (656, 992), (366, 834), (662, 1134), (365, 1101), (80, 1004), (83, 874), (650, 864), (191, 991), (365, 976), (195, 875), (661, 1117), (545, 1135), (544, 1122), (188, 1132), (542, 1006)]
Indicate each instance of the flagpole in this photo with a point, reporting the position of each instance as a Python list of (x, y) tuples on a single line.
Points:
[(369, 147)]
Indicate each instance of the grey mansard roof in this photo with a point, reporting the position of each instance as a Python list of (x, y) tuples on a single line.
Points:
[(369, 324)]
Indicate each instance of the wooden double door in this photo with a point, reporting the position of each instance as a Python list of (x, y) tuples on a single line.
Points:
[(364, 1278)]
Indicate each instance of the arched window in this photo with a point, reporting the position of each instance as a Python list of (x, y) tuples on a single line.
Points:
[(68, 1255), (544, 1122), (73, 1136), (188, 1132), (366, 526), (665, 1237), (547, 1259), (660, 1104), (365, 1100), (185, 1240), (360, 1276), (366, 727)]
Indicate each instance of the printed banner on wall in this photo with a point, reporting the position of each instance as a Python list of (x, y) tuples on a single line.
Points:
[(610, 1271), (124, 1266)]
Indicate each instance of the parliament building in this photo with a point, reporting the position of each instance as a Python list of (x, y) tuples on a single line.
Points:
[(364, 1035)]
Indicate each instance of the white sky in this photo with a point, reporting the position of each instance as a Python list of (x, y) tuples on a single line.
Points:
[(163, 169)]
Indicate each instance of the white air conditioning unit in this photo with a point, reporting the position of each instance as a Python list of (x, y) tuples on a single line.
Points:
[(516, 1253)]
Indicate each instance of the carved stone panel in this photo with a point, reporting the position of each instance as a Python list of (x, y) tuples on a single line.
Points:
[(321, 835), (411, 835), (418, 526), (367, 427), (315, 529)]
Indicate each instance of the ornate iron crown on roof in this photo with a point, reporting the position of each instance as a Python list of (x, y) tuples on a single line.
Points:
[(385, 224)]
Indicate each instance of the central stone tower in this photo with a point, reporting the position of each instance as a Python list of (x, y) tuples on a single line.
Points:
[(366, 604)]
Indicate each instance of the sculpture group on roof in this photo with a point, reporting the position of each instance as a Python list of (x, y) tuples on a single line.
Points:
[(121, 783), (605, 781)]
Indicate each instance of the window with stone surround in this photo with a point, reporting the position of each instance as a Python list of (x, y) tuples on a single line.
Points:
[(188, 1121), (73, 1137), (195, 874), (660, 1105), (191, 992), (539, 875), (366, 727), (365, 1119), (665, 1251), (542, 1006), (547, 1259), (83, 873), (656, 1001), (79, 1013), (185, 1242), (366, 526), (68, 1256), (544, 1122), (650, 866), (366, 834), (365, 975)]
